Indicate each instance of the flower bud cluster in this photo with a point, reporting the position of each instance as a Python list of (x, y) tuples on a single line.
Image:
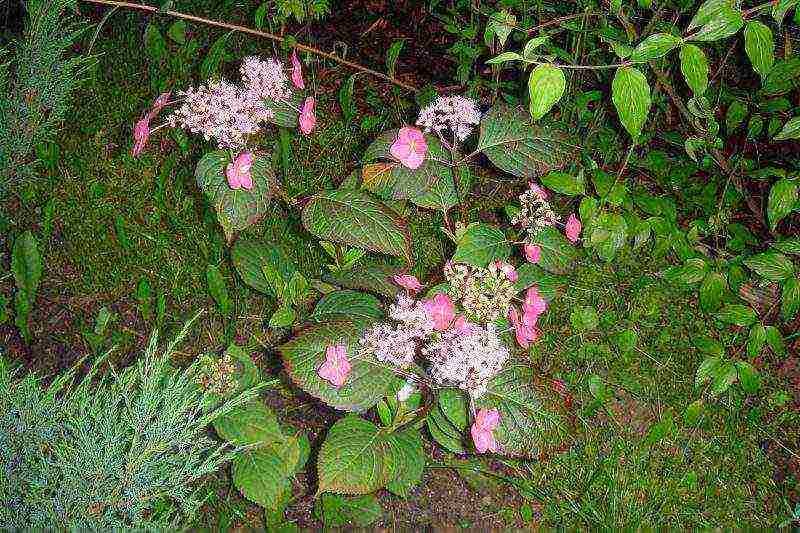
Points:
[(457, 114), (535, 213), (485, 294)]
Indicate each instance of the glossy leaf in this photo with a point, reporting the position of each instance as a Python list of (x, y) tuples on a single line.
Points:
[(790, 299), (348, 304), (694, 66), (790, 130), (771, 266), (630, 93), (655, 46), (481, 244), (236, 209), (760, 46), (352, 460), (357, 218), (520, 148), (263, 265), (558, 254), (546, 87), (368, 382), (783, 197)]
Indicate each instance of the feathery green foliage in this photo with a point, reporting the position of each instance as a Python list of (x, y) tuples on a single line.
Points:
[(113, 450), (36, 81)]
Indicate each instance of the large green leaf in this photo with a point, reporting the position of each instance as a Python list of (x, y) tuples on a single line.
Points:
[(782, 199), (442, 194), (236, 208), (368, 382), (357, 218), (558, 254), (790, 299), (350, 304), (737, 314), (525, 425), (352, 458), (655, 46), (251, 423), (725, 22), (564, 183), (263, 265), (790, 130), (781, 7), (338, 511), (373, 278), (481, 244), (546, 87), (548, 284), (386, 177), (707, 11), (285, 112), (630, 93), (520, 148), (771, 266), (404, 450), (263, 474), (760, 46), (607, 234), (694, 66)]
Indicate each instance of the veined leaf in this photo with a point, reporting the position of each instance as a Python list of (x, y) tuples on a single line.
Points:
[(546, 87), (760, 46), (655, 46), (351, 460), (631, 95), (790, 130), (782, 199), (694, 66), (357, 218)]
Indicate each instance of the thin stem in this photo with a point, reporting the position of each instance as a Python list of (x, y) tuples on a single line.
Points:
[(244, 29)]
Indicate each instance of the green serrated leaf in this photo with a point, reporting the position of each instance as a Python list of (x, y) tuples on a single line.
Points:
[(481, 244), (251, 423), (630, 93), (694, 66), (520, 148), (546, 86), (351, 304), (369, 379), (655, 46), (236, 209), (263, 265), (564, 183), (357, 218), (352, 460)]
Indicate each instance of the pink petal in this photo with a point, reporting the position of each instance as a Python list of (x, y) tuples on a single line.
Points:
[(534, 303), (414, 160), (410, 283), (463, 327), (533, 253), (573, 228), (232, 174), (524, 331), (484, 440), (538, 191), (141, 133), (410, 147), (159, 103), (308, 117), (488, 419), (297, 71), (336, 367), (441, 311)]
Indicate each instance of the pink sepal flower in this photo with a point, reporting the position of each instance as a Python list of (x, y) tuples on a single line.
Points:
[(141, 132), (573, 228), (525, 329), (538, 191), (534, 303), (533, 253), (308, 117), (463, 327), (486, 421), (507, 269), (159, 103), (238, 171), (336, 367), (408, 282), (297, 71), (409, 148), (440, 310)]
